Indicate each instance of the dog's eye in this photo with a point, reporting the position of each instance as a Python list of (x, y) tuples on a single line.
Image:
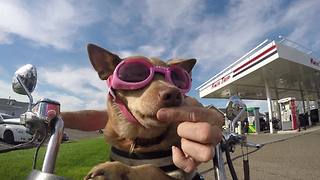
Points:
[(133, 72)]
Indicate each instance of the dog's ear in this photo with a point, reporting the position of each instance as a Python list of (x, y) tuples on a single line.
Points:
[(186, 64), (103, 61)]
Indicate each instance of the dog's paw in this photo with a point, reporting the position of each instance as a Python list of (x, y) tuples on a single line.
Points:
[(109, 171)]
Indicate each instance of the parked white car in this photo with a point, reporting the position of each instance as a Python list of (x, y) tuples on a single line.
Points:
[(11, 131)]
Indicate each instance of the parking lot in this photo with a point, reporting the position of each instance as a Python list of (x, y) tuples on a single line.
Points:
[(285, 156)]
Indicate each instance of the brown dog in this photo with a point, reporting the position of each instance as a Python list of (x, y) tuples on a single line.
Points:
[(141, 149)]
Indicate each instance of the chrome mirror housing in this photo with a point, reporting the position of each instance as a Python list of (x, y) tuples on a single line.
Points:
[(25, 79), (234, 107)]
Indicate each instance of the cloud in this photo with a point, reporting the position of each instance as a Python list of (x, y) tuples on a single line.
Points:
[(145, 50), (7, 92), (68, 102), (164, 28), (170, 15), (190, 29), (75, 88), (4, 39), (224, 38), (71, 79), (72, 102), (303, 17), (53, 23), (151, 50), (215, 37), (193, 29)]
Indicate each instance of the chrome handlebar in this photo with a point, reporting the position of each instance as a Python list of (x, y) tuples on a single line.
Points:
[(53, 147), (37, 123)]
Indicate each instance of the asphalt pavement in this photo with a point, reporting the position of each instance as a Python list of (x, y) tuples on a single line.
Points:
[(285, 156)]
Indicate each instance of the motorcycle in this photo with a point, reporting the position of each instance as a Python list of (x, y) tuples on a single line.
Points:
[(37, 123)]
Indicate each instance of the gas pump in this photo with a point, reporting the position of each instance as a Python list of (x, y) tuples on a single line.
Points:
[(289, 116), (253, 119)]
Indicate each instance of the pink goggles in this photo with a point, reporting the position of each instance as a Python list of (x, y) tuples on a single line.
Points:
[(138, 72)]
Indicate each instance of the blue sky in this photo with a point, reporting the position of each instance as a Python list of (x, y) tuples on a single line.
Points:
[(52, 35)]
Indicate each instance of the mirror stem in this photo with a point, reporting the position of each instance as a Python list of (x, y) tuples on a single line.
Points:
[(236, 119), (27, 91)]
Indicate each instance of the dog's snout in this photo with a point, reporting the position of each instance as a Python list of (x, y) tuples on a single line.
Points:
[(170, 97)]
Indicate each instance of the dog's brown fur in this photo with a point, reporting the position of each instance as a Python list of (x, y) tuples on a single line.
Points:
[(143, 104)]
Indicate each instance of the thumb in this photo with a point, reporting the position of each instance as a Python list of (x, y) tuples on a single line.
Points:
[(51, 115)]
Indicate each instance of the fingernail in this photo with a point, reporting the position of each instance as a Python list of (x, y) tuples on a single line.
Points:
[(162, 115)]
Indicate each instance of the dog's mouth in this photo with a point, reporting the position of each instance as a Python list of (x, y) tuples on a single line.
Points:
[(149, 120)]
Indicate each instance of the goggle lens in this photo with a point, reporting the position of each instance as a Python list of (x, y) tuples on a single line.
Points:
[(179, 78), (133, 72), (137, 73)]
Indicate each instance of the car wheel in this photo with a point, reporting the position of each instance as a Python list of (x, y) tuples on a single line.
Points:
[(8, 137)]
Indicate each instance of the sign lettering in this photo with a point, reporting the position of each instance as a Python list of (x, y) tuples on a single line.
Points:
[(220, 81)]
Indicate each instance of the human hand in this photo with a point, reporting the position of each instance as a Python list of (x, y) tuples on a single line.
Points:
[(51, 114), (200, 131)]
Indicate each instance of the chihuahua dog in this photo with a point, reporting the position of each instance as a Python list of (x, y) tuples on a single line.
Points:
[(138, 87)]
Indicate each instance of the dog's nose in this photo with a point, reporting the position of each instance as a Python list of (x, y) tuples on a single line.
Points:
[(170, 97)]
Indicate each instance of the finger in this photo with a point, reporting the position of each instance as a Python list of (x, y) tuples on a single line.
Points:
[(183, 162), (201, 132), (199, 152), (189, 113)]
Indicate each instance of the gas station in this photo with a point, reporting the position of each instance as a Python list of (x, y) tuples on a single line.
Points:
[(282, 72)]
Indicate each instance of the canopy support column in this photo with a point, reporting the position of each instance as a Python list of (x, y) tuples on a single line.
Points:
[(278, 106), (308, 111), (318, 105), (269, 105)]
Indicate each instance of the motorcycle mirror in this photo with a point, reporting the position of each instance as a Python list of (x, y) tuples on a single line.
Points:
[(234, 107), (25, 79)]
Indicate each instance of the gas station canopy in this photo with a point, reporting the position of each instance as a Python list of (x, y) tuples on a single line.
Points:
[(282, 68)]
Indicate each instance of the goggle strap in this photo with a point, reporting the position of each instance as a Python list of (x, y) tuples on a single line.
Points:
[(124, 110), (109, 85), (111, 92)]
